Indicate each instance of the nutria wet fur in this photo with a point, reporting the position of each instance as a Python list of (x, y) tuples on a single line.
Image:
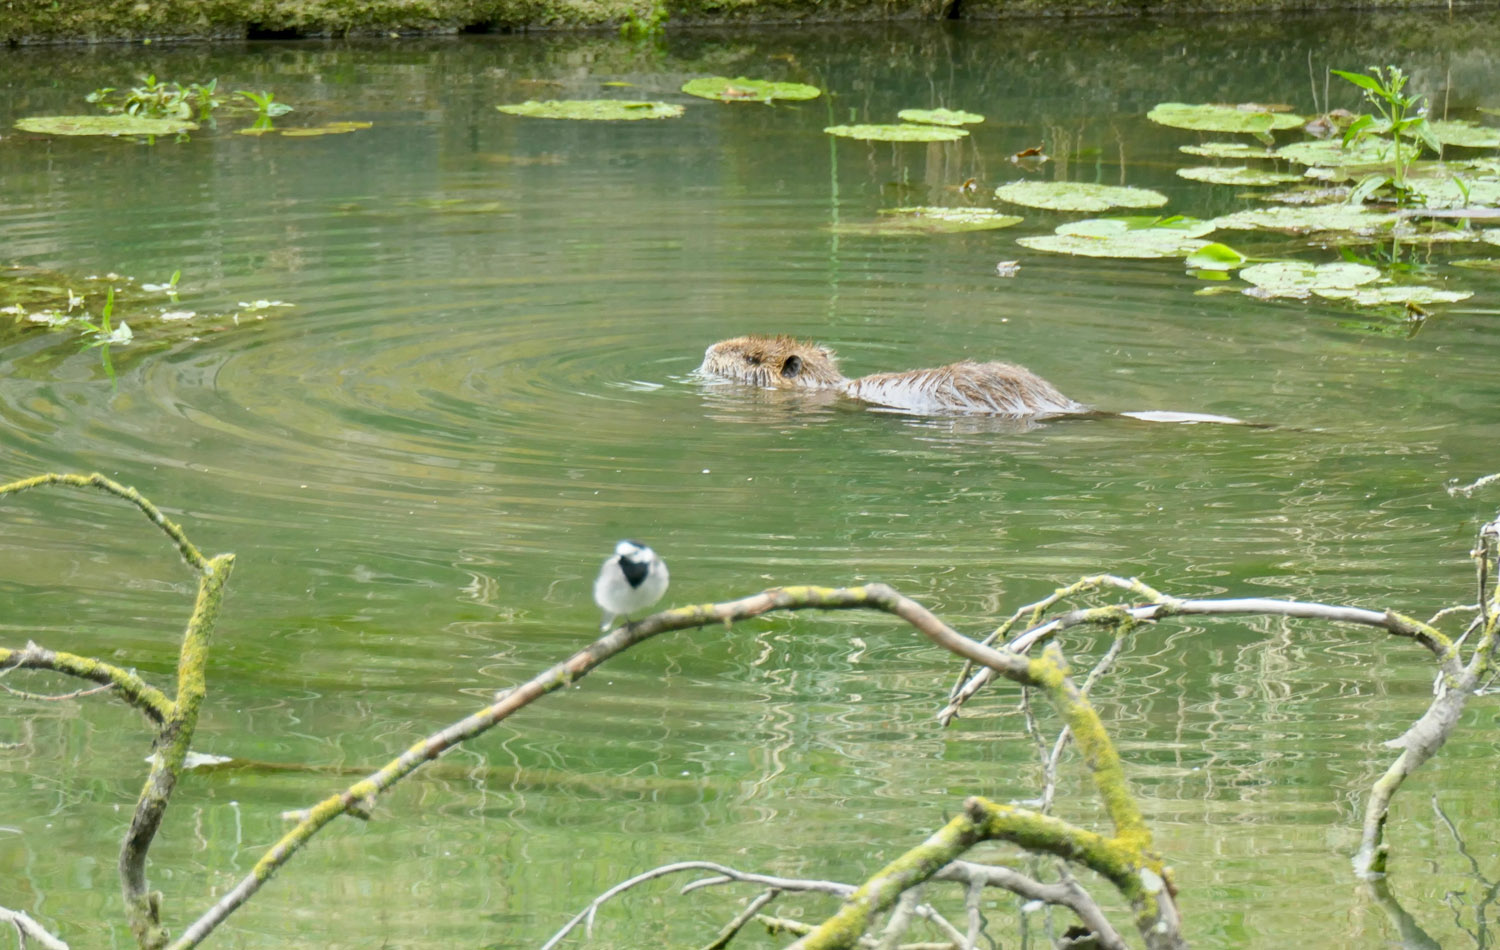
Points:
[(783, 362)]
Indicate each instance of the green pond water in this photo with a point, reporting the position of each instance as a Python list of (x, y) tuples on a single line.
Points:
[(486, 379)]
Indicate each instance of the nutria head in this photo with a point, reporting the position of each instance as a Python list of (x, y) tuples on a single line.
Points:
[(773, 362)]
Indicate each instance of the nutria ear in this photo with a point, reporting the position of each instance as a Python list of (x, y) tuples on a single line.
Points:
[(791, 367)]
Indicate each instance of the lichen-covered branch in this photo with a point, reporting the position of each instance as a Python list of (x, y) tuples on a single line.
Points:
[(152, 702), (983, 820), (176, 717), (358, 799), (190, 554), (172, 744), (1426, 736)]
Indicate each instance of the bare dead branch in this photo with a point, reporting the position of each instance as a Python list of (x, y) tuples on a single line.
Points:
[(28, 929), (723, 873), (732, 929), (1067, 894)]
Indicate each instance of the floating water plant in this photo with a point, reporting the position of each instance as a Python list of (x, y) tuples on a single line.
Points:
[(748, 90), (1078, 196), (327, 128), (604, 110), (1227, 150), (939, 116), (1144, 238), (1303, 220), (1403, 295), (930, 220), (1464, 134), (1299, 280), (897, 133), (1238, 175), (119, 124), (1249, 117)]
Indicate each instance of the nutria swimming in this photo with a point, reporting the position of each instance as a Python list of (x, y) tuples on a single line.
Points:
[(994, 388)]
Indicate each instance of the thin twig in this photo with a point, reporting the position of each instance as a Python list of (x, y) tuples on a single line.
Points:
[(28, 929), (733, 928)]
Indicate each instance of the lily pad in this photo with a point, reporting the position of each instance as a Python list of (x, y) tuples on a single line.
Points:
[(615, 110), (1227, 150), (103, 125), (328, 128), (748, 90), (1392, 296), (1239, 175), (930, 220), (1331, 153), (1299, 279), (1464, 134), (1115, 237), (1453, 192), (1303, 220), (939, 116), (897, 133), (1078, 196), (1250, 117)]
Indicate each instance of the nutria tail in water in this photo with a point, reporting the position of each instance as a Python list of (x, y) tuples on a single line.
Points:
[(1003, 389), (773, 362)]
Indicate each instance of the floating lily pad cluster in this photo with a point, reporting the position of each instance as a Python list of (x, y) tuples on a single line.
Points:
[(1326, 174), (917, 125)]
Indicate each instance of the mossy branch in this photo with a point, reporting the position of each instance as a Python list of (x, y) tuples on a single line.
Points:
[(190, 554), (128, 686), (176, 718), (358, 799)]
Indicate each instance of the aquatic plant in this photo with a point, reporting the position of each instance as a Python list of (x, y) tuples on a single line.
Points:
[(1401, 117), (160, 100), (616, 110), (748, 90)]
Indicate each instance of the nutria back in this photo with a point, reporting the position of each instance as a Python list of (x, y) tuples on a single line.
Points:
[(773, 362), (783, 362), (1003, 389)]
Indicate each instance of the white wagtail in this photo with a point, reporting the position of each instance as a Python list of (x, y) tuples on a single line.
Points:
[(632, 579)]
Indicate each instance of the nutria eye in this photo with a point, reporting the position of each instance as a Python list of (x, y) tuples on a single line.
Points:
[(791, 367)]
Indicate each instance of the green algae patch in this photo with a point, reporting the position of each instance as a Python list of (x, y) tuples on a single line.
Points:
[(1233, 150), (104, 125), (1299, 279), (908, 132), (749, 90), (600, 110), (1239, 175), (931, 220), (1250, 117), (939, 116), (1078, 196), (1122, 237)]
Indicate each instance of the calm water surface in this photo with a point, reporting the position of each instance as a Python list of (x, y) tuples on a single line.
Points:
[(486, 379)]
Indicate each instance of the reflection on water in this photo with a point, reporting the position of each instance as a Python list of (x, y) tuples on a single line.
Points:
[(486, 379)]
